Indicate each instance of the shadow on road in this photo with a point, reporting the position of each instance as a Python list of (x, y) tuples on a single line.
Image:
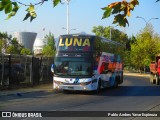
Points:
[(119, 91), (18, 96), (132, 91), (125, 91)]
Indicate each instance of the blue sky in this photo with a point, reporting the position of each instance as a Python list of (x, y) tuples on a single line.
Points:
[(84, 14)]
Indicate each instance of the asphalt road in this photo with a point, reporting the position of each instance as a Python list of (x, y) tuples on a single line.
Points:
[(135, 94)]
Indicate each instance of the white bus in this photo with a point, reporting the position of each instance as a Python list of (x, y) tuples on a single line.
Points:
[(87, 63)]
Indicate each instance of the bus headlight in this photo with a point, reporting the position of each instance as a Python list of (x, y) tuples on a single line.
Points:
[(86, 83)]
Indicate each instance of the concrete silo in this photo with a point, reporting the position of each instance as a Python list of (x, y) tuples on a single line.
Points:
[(38, 45), (26, 39)]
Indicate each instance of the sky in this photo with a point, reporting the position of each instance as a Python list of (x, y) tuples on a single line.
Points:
[(83, 15)]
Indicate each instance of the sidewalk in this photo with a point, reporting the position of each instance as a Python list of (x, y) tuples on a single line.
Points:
[(137, 74), (40, 88)]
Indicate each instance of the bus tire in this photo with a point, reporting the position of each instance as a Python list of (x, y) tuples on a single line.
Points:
[(98, 87), (121, 78), (157, 80), (116, 82)]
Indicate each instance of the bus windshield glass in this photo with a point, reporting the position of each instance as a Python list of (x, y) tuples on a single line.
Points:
[(72, 66), (76, 44)]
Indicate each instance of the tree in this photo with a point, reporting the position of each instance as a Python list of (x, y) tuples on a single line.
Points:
[(4, 40), (120, 10), (145, 48), (10, 45), (25, 51), (14, 47), (130, 41), (101, 31), (116, 35), (49, 49), (1, 45)]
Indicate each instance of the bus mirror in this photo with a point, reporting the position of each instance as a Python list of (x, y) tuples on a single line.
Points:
[(52, 68)]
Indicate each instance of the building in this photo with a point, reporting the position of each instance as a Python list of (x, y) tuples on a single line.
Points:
[(38, 45), (26, 39)]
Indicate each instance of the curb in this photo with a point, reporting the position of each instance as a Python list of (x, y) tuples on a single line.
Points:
[(19, 92), (136, 74), (24, 92)]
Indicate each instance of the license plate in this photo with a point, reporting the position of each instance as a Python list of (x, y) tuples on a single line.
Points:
[(70, 88)]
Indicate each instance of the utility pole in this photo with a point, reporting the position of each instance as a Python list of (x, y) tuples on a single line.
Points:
[(67, 1), (67, 28)]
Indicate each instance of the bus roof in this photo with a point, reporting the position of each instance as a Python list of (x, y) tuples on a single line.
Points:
[(78, 34), (110, 41)]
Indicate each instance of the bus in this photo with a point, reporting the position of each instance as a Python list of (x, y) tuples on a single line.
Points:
[(87, 63)]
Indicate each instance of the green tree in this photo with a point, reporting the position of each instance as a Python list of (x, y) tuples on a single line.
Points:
[(130, 41), (49, 49), (12, 50), (101, 31), (116, 35), (1, 45), (11, 45), (25, 51), (14, 47), (145, 48), (4, 40)]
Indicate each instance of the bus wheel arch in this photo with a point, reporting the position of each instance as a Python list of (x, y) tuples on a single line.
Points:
[(157, 80), (116, 81), (98, 85)]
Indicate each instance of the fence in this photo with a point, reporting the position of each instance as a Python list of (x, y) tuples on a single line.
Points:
[(19, 71)]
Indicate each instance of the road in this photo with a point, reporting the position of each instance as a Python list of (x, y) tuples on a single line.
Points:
[(135, 94)]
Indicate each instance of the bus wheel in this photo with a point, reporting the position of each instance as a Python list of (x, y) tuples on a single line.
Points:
[(98, 87), (121, 78), (157, 80), (116, 82)]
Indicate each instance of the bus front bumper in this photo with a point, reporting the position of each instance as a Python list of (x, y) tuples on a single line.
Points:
[(79, 87)]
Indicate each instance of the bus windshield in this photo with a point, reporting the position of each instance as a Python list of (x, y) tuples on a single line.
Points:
[(73, 66)]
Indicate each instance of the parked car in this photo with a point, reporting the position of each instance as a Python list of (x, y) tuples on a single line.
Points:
[(17, 74)]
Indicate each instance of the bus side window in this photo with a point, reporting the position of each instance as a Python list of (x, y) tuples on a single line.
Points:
[(104, 68)]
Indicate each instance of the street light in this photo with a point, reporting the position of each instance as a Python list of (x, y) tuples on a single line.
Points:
[(68, 30), (145, 19), (110, 31), (67, 2)]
